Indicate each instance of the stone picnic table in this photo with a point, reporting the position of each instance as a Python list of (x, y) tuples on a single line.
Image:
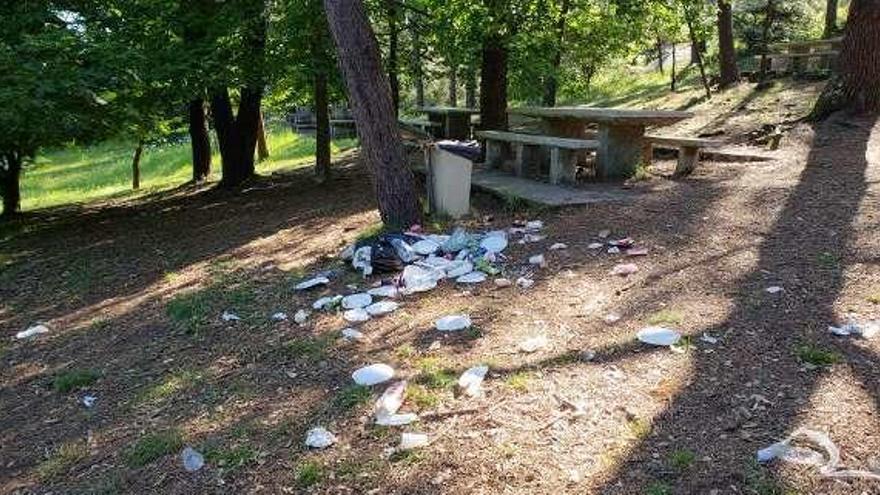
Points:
[(621, 132), (455, 122)]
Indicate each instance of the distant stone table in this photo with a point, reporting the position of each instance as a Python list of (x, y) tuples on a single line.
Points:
[(455, 123), (621, 132)]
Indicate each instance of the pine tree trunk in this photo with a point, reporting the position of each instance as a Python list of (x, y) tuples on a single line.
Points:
[(660, 55), (136, 166), (727, 51), (10, 187), (694, 41), (453, 87), (374, 114), (769, 19), (493, 84), (393, 62), (857, 86), (200, 141), (322, 128), (262, 145), (237, 135), (416, 63), (470, 88), (830, 19), (551, 83), (672, 79)]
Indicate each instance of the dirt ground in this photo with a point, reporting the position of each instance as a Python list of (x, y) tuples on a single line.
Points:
[(134, 294)]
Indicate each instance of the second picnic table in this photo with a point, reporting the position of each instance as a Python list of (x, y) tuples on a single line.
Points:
[(621, 132), (455, 122)]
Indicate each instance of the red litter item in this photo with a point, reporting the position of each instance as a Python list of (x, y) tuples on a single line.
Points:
[(624, 243), (637, 252)]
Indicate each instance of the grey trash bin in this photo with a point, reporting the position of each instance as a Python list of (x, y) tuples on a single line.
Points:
[(449, 165)]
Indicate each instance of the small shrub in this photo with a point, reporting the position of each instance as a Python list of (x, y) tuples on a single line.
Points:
[(434, 374), (153, 446), (65, 457), (309, 474), (639, 428), (421, 397), (811, 354), (518, 381), (658, 488), (74, 379), (682, 459)]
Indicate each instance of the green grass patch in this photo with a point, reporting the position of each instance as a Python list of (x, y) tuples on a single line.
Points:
[(371, 231), (62, 459), (812, 354), (639, 428), (518, 381), (828, 260), (74, 380), (666, 317), (309, 474), (658, 488), (152, 446), (434, 374), (232, 458), (351, 470), (170, 386), (405, 352), (759, 481), (642, 173), (353, 396), (192, 310), (682, 459), (421, 397), (407, 457), (310, 349)]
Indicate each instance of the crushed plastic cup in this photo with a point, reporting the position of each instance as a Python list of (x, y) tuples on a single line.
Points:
[(453, 323), (458, 268), (426, 247), (524, 283), (471, 380), (412, 441), (503, 282), (659, 336), (312, 282), (774, 289), (354, 301), (494, 242), (709, 339), (403, 250), (326, 303), (534, 225), (352, 334), (373, 374), (279, 316), (558, 246), (381, 308), (357, 315), (595, 246), (533, 344), (89, 401), (319, 438), (388, 291), (419, 279), (457, 241), (192, 460), (538, 260), (391, 400), (827, 462), (301, 317), (362, 260), (230, 316), (625, 269), (471, 278), (32, 331)]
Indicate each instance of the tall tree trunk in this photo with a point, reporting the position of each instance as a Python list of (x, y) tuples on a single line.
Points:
[(727, 51), (470, 87), (393, 62), (830, 19), (453, 87), (374, 114), (10, 184), (136, 166), (322, 127), (551, 83), (694, 41), (237, 134), (416, 62), (672, 79), (200, 141), (493, 84), (857, 86), (660, 55), (769, 19), (262, 145)]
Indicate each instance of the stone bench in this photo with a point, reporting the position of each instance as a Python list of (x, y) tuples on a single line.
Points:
[(563, 152), (688, 150), (425, 126)]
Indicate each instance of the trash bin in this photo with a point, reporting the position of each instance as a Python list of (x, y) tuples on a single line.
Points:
[(449, 167)]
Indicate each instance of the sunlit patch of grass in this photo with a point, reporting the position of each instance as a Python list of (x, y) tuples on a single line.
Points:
[(308, 474), (172, 385), (874, 298), (194, 309), (152, 446), (65, 457), (682, 459), (518, 381), (371, 231), (421, 397), (74, 379), (405, 352), (639, 428), (812, 354), (642, 173), (407, 457), (433, 373), (666, 317), (353, 396)]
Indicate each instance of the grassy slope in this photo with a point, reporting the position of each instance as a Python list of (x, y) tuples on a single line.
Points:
[(103, 171)]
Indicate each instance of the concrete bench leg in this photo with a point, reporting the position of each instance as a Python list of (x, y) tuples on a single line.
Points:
[(563, 166), (688, 157), (494, 153), (647, 153), (519, 159)]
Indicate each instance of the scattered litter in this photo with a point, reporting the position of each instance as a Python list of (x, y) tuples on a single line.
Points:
[(660, 336), (774, 290), (419, 279), (612, 318), (426, 247), (362, 260), (472, 278), (637, 252), (625, 270), (381, 308), (539, 260), (357, 315), (867, 330), (534, 225), (532, 238), (524, 283), (280, 316), (588, 355), (457, 241), (352, 334), (312, 282), (558, 246), (32, 331), (625, 243), (595, 245), (458, 268), (494, 242), (471, 380), (603, 234), (453, 323), (533, 344), (355, 301), (709, 339), (319, 438), (397, 419), (301, 316), (384, 291), (230, 316), (192, 460), (403, 250), (503, 282), (389, 403), (614, 250), (828, 464), (347, 253), (413, 441), (373, 374), (89, 401), (327, 303)]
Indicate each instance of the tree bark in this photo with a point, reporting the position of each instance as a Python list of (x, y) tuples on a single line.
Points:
[(551, 83), (470, 88), (727, 51), (672, 79), (830, 19), (416, 62), (393, 62), (857, 86), (262, 145), (659, 48), (237, 134), (769, 19), (453, 87), (493, 84), (322, 127), (374, 114), (694, 41), (10, 184), (136, 166), (200, 141)]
